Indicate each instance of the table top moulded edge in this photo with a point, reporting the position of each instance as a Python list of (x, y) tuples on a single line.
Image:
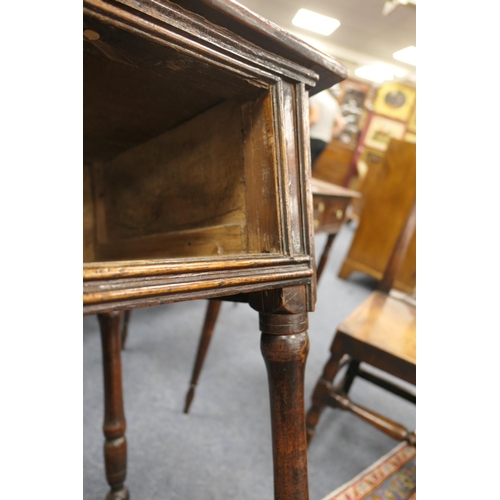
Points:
[(212, 26)]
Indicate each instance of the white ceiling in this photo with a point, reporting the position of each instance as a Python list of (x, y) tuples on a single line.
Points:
[(364, 36)]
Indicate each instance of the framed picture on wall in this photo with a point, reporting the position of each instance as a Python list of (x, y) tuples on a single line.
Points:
[(380, 130), (351, 96), (395, 100)]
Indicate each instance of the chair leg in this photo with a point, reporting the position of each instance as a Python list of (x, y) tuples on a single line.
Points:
[(206, 335), (115, 445), (320, 396), (126, 318), (387, 426), (352, 371), (325, 394)]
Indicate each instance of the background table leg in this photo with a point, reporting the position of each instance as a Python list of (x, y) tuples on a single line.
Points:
[(115, 445)]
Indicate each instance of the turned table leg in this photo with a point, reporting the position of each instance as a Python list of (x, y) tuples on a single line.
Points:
[(115, 445), (206, 335), (126, 318), (284, 346), (324, 256)]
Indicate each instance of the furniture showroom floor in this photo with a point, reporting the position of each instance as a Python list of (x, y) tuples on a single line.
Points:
[(221, 449)]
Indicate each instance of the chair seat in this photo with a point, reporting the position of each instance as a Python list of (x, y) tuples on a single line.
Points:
[(383, 324)]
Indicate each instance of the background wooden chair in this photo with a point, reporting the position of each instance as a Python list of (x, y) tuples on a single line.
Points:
[(388, 191), (380, 333)]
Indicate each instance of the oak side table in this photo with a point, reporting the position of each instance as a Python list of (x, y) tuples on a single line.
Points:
[(196, 185)]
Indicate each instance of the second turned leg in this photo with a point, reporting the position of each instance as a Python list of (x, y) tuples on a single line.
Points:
[(126, 318), (206, 335), (115, 445)]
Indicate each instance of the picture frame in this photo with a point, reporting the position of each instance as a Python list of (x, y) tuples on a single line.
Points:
[(380, 130), (395, 100)]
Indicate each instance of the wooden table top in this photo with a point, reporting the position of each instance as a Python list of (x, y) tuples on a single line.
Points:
[(326, 188)]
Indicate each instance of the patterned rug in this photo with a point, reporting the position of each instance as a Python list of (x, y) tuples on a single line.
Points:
[(393, 477)]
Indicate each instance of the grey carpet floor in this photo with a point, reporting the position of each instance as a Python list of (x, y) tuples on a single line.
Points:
[(222, 448)]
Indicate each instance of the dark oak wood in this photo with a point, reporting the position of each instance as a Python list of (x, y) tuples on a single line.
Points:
[(192, 69), (115, 446), (285, 345), (381, 332), (126, 319), (197, 179), (285, 357), (208, 329), (324, 255)]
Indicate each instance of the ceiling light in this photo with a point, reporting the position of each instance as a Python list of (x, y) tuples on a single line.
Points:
[(407, 55), (313, 21), (390, 5), (378, 72)]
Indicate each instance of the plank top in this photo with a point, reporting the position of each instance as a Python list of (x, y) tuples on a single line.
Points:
[(327, 188)]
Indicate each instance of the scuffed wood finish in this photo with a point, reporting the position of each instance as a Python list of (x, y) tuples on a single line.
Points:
[(390, 188), (115, 446), (140, 292), (238, 19), (190, 68), (285, 345), (196, 140), (259, 158), (285, 357)]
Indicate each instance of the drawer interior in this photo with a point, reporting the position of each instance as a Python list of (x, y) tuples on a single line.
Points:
[(179, 156)]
